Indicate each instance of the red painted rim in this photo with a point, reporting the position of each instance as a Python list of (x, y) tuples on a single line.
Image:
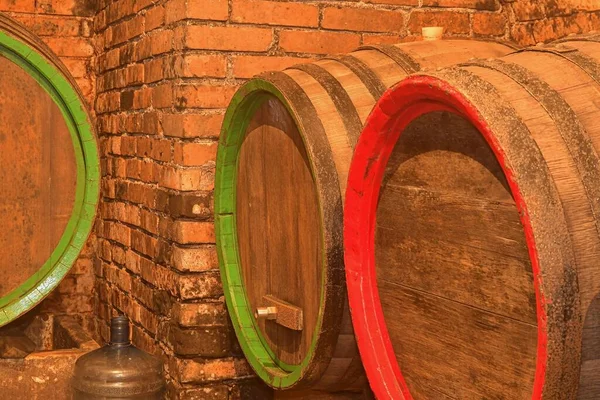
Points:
[(411, 98)]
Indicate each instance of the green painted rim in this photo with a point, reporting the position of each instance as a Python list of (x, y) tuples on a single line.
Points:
[(79, 226), (265, 363)]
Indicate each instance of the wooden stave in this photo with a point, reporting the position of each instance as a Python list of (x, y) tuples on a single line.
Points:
[(584, 147), (62, 87), (372, 84), (577, 141)]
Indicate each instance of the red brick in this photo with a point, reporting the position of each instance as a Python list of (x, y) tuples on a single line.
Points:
[(248, 66), (141, 4), (522, 34), (127, 30), (17, 5), (192, 125), (43, 25), (210, 341), (78, 67), (86, 85), (154, 43), (215, 10), (143, 243), (107, 102), (453, 22), (488, 5), (489, 24), (144, 341), (99, 21), (199, 286), (149, 221), (233, 38), (118, 10), (119, 233), (188, 179), (414, 3), (110, 59), (275, 13), (158, 69), (155, 18), (132, 261), (192, 371), (146, 318), (118, 255), (587, 5), (560, 8), (528, 10), (158, 149), (554, 28), (159, 276), (200, 314), (190, 232), (197, 259), (66, 7), (162, 96), (199, 205), (318, 42), (363, 19), (194, 154), (151, 123), (142, 98), (70, 46), (203, 96), (201, 66)]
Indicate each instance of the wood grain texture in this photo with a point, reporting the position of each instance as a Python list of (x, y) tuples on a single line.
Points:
[(453, 271), (287, 315), (279, 243), (573, 157), (38, 177)]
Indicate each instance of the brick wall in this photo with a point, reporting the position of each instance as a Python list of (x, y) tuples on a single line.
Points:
[(66, 27), (166, 70)]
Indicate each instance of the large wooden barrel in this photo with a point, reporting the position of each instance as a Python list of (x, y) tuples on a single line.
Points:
[(472, 232), (282, 163), (50, 171)]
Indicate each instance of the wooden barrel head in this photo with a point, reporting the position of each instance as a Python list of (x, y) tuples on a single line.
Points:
[(280, 264), (460, 270), (453, 269), (39, 176), (278, 237), (50, 179)]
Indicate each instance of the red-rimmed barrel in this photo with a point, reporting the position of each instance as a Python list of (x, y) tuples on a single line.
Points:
[(471, 231)]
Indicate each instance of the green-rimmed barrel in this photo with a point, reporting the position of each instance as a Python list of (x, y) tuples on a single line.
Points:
[(282, 166), (49, 171)]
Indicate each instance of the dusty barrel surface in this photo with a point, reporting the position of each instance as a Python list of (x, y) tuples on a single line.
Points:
[(49, 163), (471, 230), (282, 165)]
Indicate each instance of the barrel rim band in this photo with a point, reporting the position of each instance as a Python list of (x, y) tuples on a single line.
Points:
[(260, 356), (68, 100), (415, 96), (399, 56), (575, 137), (340, 98)]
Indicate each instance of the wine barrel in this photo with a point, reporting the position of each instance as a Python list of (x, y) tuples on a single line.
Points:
[(50, 171), (471, 230), (281, 171)]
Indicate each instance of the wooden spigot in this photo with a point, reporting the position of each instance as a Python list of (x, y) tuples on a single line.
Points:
[(280, 312), (269, 313)]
